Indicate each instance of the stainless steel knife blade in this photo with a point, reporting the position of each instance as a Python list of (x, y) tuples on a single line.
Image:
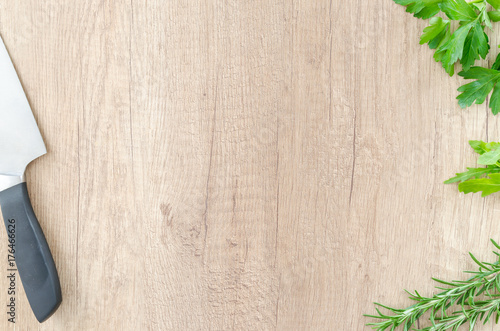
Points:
[(20, 138), (21, 143)]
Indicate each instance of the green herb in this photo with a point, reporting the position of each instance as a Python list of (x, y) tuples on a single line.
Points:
[(472, 301), (478, 90), (471, 180), (465, 44)]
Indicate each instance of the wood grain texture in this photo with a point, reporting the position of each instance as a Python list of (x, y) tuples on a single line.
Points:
[(236, 165)]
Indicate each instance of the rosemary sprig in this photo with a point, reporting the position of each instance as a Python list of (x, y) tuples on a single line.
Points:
[(474, 300)]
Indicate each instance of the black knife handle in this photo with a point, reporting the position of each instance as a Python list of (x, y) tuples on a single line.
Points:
[(32, 254)]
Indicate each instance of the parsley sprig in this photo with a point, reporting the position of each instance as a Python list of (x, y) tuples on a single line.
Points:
[(464, 44), (474, 300), (473, 179)]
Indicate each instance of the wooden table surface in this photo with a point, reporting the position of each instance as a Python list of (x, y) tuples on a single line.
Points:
[(242, 165)]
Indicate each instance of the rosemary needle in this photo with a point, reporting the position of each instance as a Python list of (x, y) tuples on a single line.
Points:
[(474, 300)]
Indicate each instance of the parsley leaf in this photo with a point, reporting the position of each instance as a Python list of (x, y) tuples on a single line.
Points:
[(454, 48), (496, 64), (483, 14), (435, 32), (495, 100), (438, 56), (467, 43), (458, 10), (423, 9), (494, 15), (476, 45), (478, 90), (494, 3), (478, 146), (464, 42), (481, 147)]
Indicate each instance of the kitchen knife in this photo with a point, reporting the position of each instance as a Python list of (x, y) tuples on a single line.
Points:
[(21, 143)]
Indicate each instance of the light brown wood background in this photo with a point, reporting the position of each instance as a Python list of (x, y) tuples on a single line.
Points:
[(242, 165)]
